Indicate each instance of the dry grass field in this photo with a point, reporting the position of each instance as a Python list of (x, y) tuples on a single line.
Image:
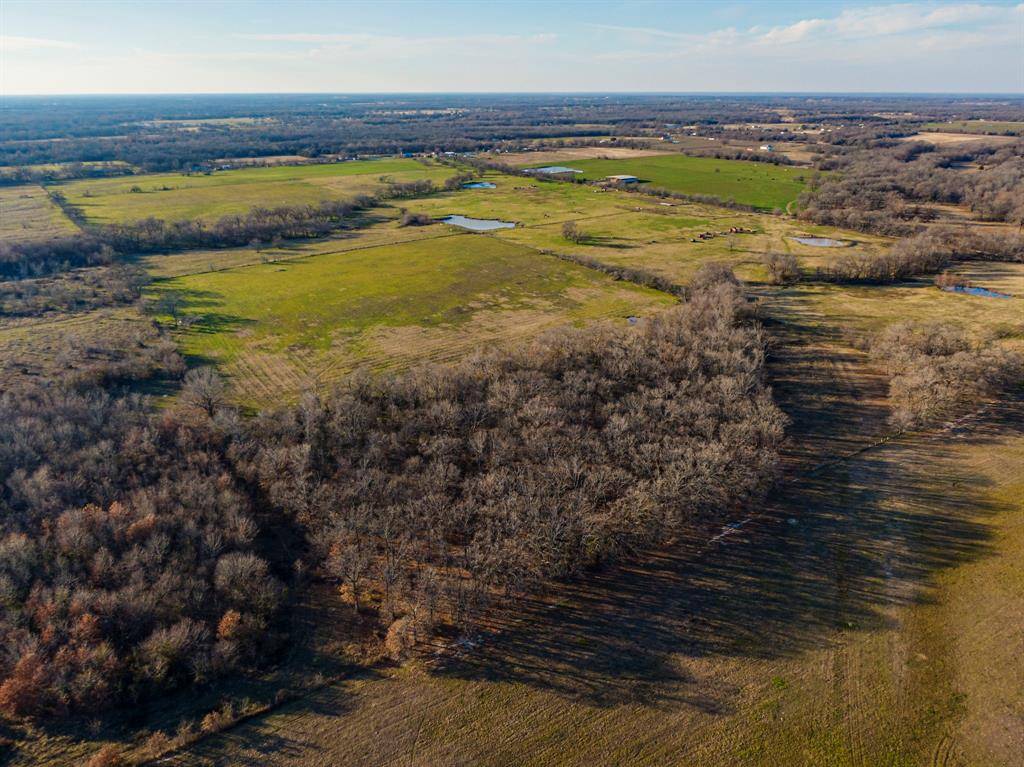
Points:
[(28, 215), (37, 348), (940, 138)]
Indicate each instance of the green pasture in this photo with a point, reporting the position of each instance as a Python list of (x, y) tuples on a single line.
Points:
[(278, 327), (176, 196), (759, 184)]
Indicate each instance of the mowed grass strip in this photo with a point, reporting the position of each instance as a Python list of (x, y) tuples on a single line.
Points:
[(28, 215), (278, 327), (176, 196), (759, 184)]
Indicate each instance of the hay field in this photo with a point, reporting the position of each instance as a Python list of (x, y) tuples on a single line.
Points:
[(752, 183), (667, 243), (277, 328), (28, 215), (174, 196)]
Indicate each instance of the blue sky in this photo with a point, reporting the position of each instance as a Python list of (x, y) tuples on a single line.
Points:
[(216, 47)]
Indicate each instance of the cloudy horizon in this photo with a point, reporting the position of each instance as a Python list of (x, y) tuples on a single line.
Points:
[(51, 48)]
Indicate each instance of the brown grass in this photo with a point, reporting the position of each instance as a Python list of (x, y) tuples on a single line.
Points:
[(953, 139)]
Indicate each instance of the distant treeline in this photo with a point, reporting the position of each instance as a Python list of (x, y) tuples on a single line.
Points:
[(885, 186), (107, 243), (149, 132), (49, 173)]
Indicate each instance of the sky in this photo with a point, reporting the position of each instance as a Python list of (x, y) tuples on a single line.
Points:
[(524, 46)]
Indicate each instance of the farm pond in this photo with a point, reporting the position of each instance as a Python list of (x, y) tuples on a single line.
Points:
[(973, 291), (479, 185), (820, 242), (478, 224)]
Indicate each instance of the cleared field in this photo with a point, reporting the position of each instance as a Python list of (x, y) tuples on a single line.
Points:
[(270, 159), (575, 153), (870, 615), (173, 196), (28, 215), (952, 139), (992, 127), (759, 184), (279, 327)]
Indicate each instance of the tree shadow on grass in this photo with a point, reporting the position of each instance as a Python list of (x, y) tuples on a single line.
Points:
[(194, 311), (606, 241), (867, 537), (838, 547)]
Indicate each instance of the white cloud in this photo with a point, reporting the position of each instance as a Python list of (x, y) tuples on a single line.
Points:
[(899, 46), (851, 24), (794, 32)]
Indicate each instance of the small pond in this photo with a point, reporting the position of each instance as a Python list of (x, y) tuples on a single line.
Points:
[(479, 185), (555, 169), (984, 292), (820, 242), (477, 224)]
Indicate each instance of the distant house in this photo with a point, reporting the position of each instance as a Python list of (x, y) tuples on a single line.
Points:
[(622, 179)]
